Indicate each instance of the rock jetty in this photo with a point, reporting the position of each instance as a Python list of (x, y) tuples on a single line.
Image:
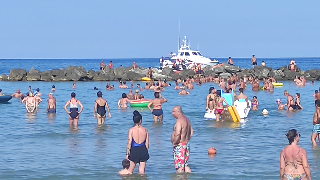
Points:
[(73, 73)]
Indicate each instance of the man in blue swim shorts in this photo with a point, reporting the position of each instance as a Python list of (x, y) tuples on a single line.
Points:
[(316, 125)]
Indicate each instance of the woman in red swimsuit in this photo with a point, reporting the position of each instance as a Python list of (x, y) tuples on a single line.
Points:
[(219, 109)]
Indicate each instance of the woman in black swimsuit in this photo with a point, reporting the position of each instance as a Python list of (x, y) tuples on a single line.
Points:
[(100, 106), (138, 144), (210, 97), (74, 111)]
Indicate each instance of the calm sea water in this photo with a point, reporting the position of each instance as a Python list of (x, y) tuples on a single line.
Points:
[(42, 147)]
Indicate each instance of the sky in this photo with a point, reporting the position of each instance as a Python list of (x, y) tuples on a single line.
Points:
[(150, 28)]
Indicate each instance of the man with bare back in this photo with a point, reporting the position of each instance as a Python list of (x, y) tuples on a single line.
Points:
[(180, 137)]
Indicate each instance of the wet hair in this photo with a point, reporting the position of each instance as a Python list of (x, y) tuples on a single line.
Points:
[(136, 116), (53, 86), (298, 94), (124, 95), (73, 94), (157, 84), (95, 88), (316, 91), (156, 94), (138, 84), (141, 96), (124, 82), (125, 164), (241, 90), (210, 89), (0, 90), (292, 133), (99, 94), (255, 97), (218, 93)]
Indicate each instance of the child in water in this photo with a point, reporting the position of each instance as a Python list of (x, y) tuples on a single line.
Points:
[(125, 165), (280, 106), (254, 103)]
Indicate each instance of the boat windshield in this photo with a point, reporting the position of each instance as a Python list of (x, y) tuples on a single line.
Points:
[(187, 54), (199, 54), (194, 53), (181, 54)]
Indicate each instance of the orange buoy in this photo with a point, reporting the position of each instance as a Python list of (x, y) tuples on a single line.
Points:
[(212, 150)]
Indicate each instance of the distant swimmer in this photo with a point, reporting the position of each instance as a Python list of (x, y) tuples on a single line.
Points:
[(100, 106), (230, 61), (177, 87), (280, 105), (183, 91), (316, 125), (180, 137), (30, 103), (254, 61), (156, 103), (53, 89), (254, 103), (218, 105), (290, 101), (74, 86), (130, 95), (122, 103), (17, 94), (74, 110), (138, 144), (298, 102), (52, 104)]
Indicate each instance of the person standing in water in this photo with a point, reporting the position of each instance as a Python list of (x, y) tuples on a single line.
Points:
[(242, 98), (138, 144), (30, 102), (180, 137), (74, 110), (52, 104), (210, 99), (218, 105), (293, 159), (157, 112), (290, 101), (316, 125), (74, 86), (254, 103), (122, 103), (100, 106)]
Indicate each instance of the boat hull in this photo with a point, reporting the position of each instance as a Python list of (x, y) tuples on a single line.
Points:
[(5, 98)]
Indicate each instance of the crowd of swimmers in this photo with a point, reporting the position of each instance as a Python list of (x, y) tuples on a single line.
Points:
[(293, 159)]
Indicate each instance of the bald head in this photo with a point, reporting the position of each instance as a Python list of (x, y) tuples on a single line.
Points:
[(178, 109)]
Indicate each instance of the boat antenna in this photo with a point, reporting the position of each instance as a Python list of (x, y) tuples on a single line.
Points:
[(179, 36)]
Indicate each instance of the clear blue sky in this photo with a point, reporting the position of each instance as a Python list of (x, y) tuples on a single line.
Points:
[(149, 28)]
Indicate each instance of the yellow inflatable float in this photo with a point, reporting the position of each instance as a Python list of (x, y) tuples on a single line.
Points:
[(234, 114), (145, 79), (277, 84)]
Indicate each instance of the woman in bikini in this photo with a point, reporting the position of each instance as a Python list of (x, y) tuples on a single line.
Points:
[(157, 112), (254, 103), (293, 159), (100, 106), (298, 102), (122, 103), (138, 144), (210, 99), (218, 101), (74, 110)]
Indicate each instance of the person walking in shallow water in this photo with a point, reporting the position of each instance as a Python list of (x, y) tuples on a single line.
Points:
[(138, 144), (100, 106), (316, 125), (293, 159), (180, 137), (74, 110)]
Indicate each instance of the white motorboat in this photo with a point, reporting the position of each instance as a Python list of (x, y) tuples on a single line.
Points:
[(186, 58)]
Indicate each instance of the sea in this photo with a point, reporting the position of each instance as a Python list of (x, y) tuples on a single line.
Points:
[(42, 146)]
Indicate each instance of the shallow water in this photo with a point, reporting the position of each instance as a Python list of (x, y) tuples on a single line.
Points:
[(42, 147)]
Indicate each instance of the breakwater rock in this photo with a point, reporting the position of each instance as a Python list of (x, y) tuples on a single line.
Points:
[(74, 73)]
